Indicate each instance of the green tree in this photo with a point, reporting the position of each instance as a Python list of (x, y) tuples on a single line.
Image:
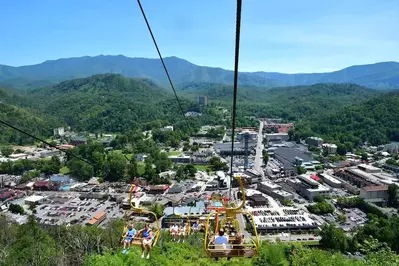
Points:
[(265, 158), (15, 208), (157, 208), (334, 238), (342, 218), (364, 156), (80, 169), (217, 164), (6, 150), (131, 169), (301, 170), (114, 167), (393, 195)]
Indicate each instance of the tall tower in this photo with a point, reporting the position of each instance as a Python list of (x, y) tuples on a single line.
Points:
[(246, 140)]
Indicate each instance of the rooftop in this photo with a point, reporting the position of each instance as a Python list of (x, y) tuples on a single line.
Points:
[(34, 198), (376, 188)]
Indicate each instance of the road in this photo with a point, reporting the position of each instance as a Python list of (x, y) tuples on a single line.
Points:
[(259, 149)]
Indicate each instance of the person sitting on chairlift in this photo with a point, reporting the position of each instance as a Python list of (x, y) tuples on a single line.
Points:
[(128, 238)]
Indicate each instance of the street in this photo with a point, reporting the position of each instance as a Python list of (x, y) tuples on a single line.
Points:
[(259, 149)]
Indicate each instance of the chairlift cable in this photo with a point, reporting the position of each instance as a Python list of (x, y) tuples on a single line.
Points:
[(236, 58), (162, 61), (47, 143)]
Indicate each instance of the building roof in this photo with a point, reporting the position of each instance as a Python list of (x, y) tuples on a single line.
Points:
[(92, 221), (375, 188), (34, 198), (99, 215), (60, 178), (315, 177), (270, 185), (159, 187), (44, 183)]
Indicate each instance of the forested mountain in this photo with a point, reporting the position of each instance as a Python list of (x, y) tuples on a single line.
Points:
[(379, 75), (291, 103), (110, 103), (375, 121), (34, 124)]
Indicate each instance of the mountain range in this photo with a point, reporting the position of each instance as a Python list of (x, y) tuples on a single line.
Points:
[(384, 75)]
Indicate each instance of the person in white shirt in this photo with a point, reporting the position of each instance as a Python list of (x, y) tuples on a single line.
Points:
[(174, 231)]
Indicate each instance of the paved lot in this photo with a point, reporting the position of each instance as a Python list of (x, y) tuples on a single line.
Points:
[(67, 208)]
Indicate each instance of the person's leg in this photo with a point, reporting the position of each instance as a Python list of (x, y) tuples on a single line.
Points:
[(148, 251), (142, 250)]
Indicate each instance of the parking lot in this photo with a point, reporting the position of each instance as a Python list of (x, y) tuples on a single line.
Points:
[(67, 208)]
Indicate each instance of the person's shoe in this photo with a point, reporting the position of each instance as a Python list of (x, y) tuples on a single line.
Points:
[(123, 251), (127, 251), (148, 256), (142, 256)]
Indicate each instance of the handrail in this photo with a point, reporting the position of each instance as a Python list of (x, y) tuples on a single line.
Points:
[(242, 205), (141, 210)]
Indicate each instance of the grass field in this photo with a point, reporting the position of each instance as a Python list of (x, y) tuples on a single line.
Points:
[(203, 167)]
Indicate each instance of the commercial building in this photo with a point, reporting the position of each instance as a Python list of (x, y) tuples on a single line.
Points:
[(314, 141), (239, 148), (375, 194), (330, 148), (168, 128), (34, 200), (98, 218), (308, 188), (277, 137), (180, 158), (330, 180), (203, 100), (369, 168), (60, 179), (290, 157), (252, 136), (274, 190), (159, 189), (59, 132), (278, 127), (267, 187)]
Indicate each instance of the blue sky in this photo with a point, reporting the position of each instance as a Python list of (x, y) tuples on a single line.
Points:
[(288, 36)]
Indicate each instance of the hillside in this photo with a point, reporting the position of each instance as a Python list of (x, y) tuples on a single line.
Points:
[(380, 75), (375, 121), (108, 103), (291, 103), (32, 244), (27, 120)]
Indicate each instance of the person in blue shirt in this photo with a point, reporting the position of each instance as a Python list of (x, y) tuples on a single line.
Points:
[(195, 226), (221, 241), (146, 243), (128, 238)]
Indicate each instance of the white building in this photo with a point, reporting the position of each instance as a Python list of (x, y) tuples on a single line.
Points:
[(267, 187), (375, 194), (277, 136), (314, 141), (274, 190), (308, 187), (330, 180), (330, 148), (34, 200), (168, 128), (59, 132)]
